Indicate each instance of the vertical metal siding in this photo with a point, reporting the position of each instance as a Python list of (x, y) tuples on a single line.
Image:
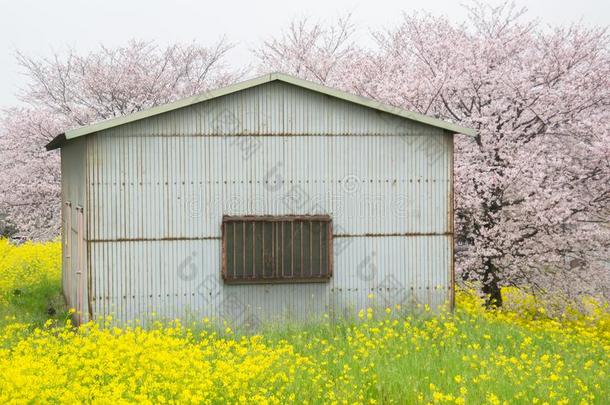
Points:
[(74, 191), (159, 188)]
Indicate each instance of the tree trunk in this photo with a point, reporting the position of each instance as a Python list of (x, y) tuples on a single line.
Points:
[(491, 287)]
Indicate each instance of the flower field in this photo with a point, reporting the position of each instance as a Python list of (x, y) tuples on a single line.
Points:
[(466, 356), (29, 280)]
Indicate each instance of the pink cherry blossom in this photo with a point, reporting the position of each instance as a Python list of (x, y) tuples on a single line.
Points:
[(533, 187), (71, 90)]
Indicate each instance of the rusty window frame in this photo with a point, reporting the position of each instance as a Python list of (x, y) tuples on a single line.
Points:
[(285, 258)]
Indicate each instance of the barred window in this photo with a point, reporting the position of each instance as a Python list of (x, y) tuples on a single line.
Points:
[(283, 249)]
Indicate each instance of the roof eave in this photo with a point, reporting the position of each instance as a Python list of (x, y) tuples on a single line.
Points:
[(56, 142)]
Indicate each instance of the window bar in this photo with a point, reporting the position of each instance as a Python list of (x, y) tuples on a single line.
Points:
[(224, 249), (272, 249), (234, 251), (329, 240), (301, 256), (282, 254), (310, 249), (243, 237), (278, 251), (291, 248), (263, 261), (253, 249), (320, 251)]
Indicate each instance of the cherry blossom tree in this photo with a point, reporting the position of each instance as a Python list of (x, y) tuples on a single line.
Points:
[(119, 81), (310, 50), (532, 194), (69, 90), (30, 176), (533, 185)]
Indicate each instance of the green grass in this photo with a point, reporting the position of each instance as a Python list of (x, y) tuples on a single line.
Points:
[(481, 361)]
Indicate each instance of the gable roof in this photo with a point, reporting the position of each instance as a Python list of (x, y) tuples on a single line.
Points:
[(208, 95)]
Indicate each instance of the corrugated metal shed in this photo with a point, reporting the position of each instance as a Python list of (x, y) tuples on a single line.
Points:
[(154, 189)]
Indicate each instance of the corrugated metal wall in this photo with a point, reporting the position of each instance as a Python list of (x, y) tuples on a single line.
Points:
[(158, 189), (74, 191)]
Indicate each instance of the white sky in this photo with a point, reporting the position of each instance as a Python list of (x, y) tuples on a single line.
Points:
[(39, 27)]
